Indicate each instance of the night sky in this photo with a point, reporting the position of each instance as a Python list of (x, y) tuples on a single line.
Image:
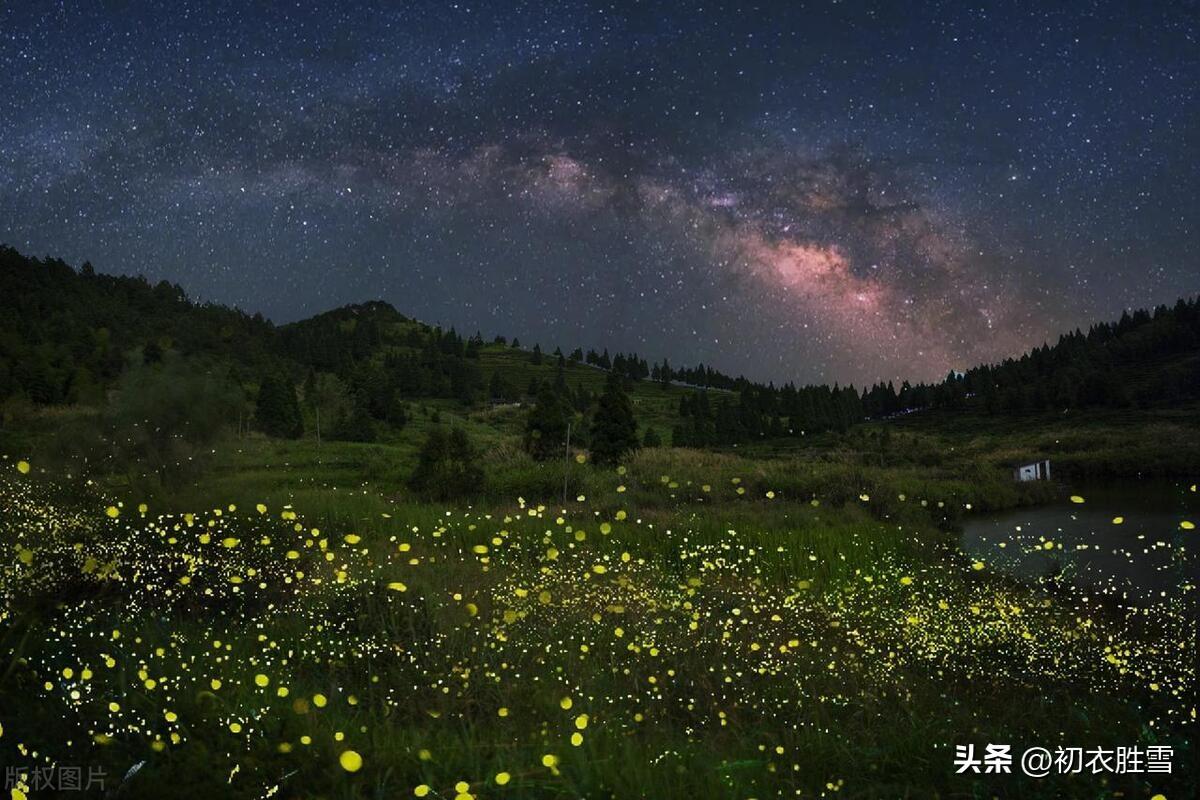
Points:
[(799, 191)]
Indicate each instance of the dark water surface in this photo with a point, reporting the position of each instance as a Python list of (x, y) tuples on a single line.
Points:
[(1125, 540)]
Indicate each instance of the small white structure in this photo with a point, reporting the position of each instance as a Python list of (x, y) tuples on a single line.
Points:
[(1037, 471)]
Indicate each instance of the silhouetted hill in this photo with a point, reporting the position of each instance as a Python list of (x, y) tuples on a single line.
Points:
[(66, 336)]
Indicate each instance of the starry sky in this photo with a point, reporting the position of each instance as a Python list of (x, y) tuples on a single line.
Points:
[(808, 191)]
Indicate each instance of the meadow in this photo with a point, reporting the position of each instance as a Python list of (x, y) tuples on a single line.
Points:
[(293, 622)]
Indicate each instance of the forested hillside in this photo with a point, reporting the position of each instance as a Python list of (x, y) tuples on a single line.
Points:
[(70, 337), (65, 336)]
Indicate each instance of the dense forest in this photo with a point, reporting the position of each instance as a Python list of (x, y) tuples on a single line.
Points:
[(1146, 359), (71, 337)]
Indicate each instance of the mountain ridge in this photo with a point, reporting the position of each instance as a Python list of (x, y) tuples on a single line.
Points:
[(66, 336)]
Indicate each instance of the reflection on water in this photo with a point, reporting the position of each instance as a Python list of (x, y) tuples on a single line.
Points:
[(1128, 541)]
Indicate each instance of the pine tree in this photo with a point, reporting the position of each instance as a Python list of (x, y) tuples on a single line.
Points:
[(447, 467), (546, 427), (278, 412), (500, 388), (356, 426), (614, 429)]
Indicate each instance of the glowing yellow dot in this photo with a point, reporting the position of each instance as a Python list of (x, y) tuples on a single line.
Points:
[(1076, 498), (350, 761), (23, 467), (261, 680), (503, 778), (112, 512), (319, 700), (566, 703), (421, 790)]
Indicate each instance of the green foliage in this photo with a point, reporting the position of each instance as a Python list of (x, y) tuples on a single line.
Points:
[(614, 429), (64, 335), (355, 426), (278, 412), (502, 389), (329, 399), (546, 425), (447, 467), (162, 419), (897, 643)]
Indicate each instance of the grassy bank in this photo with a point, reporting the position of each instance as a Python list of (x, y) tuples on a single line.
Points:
[(696, 625), (790, 618)]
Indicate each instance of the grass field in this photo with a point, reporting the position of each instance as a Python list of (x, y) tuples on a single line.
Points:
[(785, 619)]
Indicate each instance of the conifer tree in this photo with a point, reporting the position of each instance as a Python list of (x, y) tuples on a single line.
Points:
[(447, 467), (614, 429), (546, 427), (278, 412)]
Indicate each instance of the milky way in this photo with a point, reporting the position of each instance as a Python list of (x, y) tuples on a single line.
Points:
[(821, 191)]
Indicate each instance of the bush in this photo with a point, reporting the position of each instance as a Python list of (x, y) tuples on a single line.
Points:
[(446, 467), (165, 414)]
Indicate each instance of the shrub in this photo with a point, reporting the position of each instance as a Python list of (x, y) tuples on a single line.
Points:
[(447, 467)]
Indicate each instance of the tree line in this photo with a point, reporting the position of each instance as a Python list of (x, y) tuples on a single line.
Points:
[(69, 337)]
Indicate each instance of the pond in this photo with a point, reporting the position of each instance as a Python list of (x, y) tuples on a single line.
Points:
[(1126, 541)]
